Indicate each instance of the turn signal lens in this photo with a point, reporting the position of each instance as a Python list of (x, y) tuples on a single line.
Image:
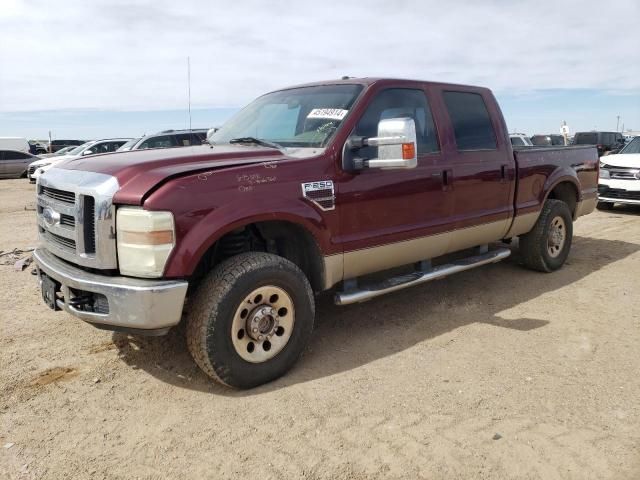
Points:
[(408, 151)]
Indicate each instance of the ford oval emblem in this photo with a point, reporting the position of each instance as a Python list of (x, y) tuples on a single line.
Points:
[(50, 216)]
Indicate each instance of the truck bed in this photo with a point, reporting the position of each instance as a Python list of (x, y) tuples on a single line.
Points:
[(539, 168)]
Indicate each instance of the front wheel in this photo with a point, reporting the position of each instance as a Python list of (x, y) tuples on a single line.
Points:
[(250, 319), (547, 246)]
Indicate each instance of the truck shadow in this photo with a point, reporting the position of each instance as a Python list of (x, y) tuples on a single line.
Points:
[(349, 337)]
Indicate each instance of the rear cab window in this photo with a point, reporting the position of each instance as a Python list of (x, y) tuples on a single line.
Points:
[(471, 121)]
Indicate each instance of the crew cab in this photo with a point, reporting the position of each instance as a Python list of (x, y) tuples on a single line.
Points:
[(307, 189)]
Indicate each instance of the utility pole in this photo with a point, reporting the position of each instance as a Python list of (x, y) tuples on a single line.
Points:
[(189, 89), (617, 123)]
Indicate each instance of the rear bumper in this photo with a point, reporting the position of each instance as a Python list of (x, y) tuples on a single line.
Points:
[(143, 306)]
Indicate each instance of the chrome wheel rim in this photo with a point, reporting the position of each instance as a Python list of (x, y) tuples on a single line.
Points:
[(557, 237), (262, 324)]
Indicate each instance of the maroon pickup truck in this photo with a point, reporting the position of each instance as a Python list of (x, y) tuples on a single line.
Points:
[(307, 189)]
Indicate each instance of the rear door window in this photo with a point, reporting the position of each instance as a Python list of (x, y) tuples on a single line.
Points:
[(13, 155), (471, 121)]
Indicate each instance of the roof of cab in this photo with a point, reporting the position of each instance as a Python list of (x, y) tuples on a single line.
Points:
[(368, 81)]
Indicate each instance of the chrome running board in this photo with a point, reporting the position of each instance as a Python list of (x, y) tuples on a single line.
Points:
[(392, 284)]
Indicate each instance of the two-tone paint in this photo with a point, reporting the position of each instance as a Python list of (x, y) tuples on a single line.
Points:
[(382, 218)]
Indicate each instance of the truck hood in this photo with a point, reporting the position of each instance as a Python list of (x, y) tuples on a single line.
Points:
[(629, 160), (139, 171)]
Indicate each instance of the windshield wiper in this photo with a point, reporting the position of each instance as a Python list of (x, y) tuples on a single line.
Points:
[(256, 141)]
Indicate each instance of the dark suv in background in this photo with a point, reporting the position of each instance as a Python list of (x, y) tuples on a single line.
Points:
[(167, 139), (547, 140), (606, 142)]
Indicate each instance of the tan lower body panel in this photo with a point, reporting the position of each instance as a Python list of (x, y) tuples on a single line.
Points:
[(523, 224), (383, 257), (585, 207)]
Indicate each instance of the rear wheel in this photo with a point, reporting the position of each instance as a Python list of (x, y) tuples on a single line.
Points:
[(250, 319), (604, 206), (547, 246)]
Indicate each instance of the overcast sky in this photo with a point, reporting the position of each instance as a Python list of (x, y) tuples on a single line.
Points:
[(123, 56)]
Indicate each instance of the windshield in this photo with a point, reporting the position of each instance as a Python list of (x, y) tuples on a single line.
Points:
[(78, 150), (632, 147), (128, 145), (300, 117)]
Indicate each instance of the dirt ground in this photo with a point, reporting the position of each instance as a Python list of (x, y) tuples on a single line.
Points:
[(495, 373)]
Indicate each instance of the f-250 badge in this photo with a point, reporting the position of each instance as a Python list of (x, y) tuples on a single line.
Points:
[(320, 193)]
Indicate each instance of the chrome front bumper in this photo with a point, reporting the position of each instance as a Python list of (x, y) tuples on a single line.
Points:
[(133, 304)]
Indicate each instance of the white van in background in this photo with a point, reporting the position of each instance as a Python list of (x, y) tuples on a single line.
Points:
[(18, 144)]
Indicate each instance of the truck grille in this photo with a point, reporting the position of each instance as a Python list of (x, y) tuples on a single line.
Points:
[(76, 218), (64, 242), (60, 195), (31, 171), (618, 193), (67, 221), (623, 173)]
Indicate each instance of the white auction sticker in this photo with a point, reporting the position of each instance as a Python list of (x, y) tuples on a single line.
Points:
[(328, 113)]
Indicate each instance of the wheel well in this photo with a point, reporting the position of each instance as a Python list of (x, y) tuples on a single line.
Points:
[(282, 238), (566, 192)]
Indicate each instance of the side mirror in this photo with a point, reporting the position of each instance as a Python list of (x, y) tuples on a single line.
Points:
[(87, 152), (396, 142)]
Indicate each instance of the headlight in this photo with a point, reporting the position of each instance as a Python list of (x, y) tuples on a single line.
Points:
[(604, 173), (145, 240)]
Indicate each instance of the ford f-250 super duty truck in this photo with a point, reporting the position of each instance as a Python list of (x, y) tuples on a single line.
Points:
[(306, 189)]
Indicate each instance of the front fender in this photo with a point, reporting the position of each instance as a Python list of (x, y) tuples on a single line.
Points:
[(200, 237)]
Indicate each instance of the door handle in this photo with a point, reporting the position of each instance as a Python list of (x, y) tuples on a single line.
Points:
[(503, 173)]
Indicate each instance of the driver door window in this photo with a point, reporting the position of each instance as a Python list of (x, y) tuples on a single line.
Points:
[(399, 103)]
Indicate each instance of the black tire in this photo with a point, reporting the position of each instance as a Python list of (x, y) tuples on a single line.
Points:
[(604, 206), (212, 309), (534, 246)]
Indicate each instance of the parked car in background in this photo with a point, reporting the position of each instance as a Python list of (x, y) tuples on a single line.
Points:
[(306, 189), (547, 140), (127, 146), (520, 140), (168, 139), (59, 144), (37, 148), (619, 180), (13, 164), (18, 144), (89, 148), (62, 151), (605, 142)]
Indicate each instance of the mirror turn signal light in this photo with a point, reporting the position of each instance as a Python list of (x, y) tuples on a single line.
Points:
[(408, 151)]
